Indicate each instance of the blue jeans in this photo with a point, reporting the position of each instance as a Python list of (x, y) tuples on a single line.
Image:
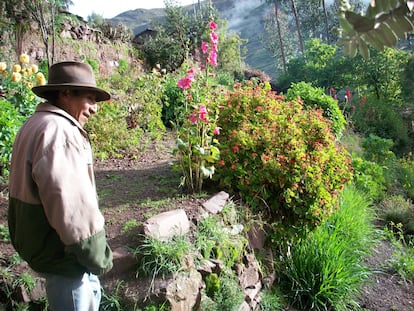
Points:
[(81, 293)]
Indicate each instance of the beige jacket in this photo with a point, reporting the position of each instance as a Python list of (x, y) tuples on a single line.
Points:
[(54, 219)]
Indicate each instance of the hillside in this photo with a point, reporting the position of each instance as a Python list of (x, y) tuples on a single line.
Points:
[(245, 17)]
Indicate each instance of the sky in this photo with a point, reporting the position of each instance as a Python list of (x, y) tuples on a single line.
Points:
[(111, 8)]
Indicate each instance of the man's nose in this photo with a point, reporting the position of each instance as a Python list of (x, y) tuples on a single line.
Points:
[(93, 108)]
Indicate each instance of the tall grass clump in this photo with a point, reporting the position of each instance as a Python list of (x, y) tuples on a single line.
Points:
[(325, 269)]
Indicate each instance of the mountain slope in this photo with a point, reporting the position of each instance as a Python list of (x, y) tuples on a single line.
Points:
[(245, 17)]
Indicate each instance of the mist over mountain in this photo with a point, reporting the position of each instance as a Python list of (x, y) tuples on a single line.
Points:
[(245, 17)]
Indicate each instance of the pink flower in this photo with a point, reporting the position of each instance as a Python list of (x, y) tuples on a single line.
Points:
[(213, 25), (202, 113), (216, 131), (193, 118), (212, 58), (184, 83), (214, 37), (204, 47), (190, 74)]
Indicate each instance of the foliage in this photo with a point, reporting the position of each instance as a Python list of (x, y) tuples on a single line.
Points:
[(173, 100), (225, 292), (113, 301), (325, 269), (315, 98), (375, 117), (397, 213), (10, 122), (4, 233), (109, 134), (159, 258), (402, 260), (383, 24), (18, 104), (405, 174), (271, 301), (215, 240), (369, 178), (377, 149)]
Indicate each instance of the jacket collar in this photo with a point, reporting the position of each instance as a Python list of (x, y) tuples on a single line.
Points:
[(47, 107)]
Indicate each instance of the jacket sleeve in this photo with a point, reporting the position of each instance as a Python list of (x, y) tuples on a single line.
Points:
[(63, 174)]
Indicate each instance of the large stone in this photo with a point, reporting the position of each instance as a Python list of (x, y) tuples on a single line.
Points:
[(216, 203), (166, 225), (183, 292)]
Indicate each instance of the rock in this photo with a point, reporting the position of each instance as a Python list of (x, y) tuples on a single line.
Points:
[(216, 203), (256, 236), (183, 292), (166, 225), (123, 261)]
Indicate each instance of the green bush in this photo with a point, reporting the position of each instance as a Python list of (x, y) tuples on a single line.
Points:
[(325, 269), (109, 134), (281, 158), (10, 122), (369, 178), (395, 210), (225, 294), (405, 172), (379, 118), (173, 100), (315, 98)]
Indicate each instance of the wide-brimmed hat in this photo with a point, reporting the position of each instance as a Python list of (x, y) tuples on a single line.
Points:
[(71, 75)]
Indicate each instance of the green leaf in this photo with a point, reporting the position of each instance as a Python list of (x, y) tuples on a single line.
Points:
[(363, 49), (360, 23)]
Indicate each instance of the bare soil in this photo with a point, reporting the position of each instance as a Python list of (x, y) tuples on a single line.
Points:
[(132, 190)]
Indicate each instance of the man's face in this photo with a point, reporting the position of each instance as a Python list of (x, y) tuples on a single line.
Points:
[(80, 105)]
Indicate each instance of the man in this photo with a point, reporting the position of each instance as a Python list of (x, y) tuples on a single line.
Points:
[(54, 220)]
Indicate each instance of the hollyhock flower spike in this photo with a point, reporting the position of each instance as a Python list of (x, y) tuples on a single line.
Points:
[(214, 37)]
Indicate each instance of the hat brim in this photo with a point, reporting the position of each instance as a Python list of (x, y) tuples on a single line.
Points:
[(100, 95)]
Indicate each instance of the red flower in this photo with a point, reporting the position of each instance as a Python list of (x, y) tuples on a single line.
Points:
[(216, 131), (236, 149), (221, 162)]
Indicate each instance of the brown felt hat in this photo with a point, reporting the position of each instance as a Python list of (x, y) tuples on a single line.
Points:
[(71, 75)]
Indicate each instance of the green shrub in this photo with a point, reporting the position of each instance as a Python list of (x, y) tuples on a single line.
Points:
[(214, 240), (378, 150), (402, 259), (173, 100), (315, 98), (398, 210), (225, 293), (369, 178), (379, 118), (10, 122), (281, 158), (405, 175), (159, 258), (109, 134), (325, 269)]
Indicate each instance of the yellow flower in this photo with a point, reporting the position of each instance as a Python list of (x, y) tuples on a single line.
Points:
[(34, 68), (30, 85), (41, 80), (24, 58), (16, 76), (17, 68), (3, 66)]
